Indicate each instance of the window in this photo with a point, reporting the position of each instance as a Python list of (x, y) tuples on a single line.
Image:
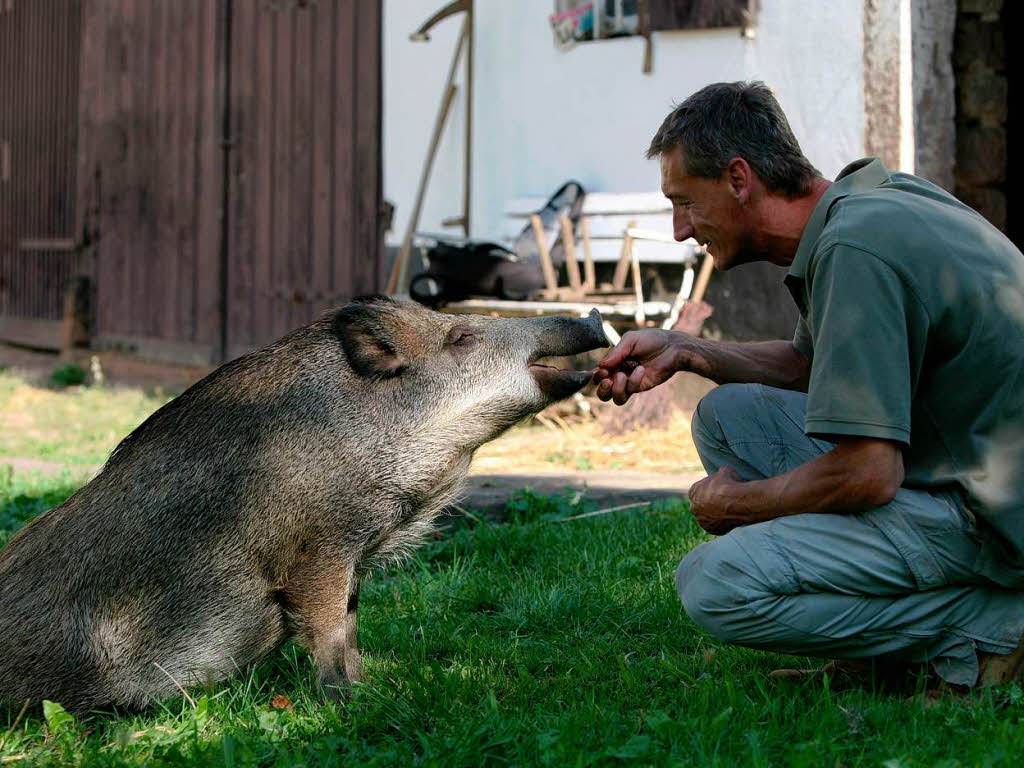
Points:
[(580, 20)]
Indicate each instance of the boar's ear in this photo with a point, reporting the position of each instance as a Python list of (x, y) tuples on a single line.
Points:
[(363, 332)]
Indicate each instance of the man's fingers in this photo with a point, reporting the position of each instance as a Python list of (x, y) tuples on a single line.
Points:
[(619, 392), (635, 380), (618, 353)]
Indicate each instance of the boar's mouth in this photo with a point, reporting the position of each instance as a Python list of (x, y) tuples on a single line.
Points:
[(562, 337), (557, 383)]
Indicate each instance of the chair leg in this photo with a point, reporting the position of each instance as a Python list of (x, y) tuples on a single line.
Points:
[(550, 280), (622, 268), (572, 268), (589, 276)]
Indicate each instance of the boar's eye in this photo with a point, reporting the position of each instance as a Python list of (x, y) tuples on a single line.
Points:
[(461, 337)]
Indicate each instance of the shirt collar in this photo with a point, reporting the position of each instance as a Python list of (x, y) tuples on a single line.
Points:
[(858, 176)]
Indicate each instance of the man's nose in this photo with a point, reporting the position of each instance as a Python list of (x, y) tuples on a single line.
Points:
[(682, 227)]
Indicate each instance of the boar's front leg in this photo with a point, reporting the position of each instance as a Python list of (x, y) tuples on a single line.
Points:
[(322, 599)]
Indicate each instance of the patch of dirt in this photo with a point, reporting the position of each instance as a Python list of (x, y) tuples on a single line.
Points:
[(118, 369)]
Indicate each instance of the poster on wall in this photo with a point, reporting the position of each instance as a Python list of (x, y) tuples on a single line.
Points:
[(573, 25)]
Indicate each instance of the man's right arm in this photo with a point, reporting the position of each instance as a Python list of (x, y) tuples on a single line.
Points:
[(643, 359), (774, 363)]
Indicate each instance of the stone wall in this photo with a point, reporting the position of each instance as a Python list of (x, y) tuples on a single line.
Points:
[(979, 63), (933, 24), (882, 81)]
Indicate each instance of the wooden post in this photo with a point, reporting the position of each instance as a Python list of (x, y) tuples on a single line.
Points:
[(638, 289), (572, 268), (545, 257), (702, 279), (74, 325), (622, 268)]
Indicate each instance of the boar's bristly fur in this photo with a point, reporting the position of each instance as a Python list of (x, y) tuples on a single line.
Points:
[(244, 511)]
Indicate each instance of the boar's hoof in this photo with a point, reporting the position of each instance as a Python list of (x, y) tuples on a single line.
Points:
[(337, 689)]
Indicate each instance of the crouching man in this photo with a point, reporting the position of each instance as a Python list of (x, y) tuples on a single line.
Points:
[(866, 478)]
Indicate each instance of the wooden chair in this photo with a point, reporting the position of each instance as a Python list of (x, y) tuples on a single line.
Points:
[(609, 229)]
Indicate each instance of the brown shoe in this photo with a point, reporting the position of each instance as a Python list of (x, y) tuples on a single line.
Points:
[(1001, 668)]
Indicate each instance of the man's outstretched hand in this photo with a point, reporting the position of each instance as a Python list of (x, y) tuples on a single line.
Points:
[(640, 361)]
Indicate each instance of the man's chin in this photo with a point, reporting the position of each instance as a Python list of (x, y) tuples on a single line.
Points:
[(725, 260)]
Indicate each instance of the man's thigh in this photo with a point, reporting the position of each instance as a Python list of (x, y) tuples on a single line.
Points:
[(918, 541), (756, 430)]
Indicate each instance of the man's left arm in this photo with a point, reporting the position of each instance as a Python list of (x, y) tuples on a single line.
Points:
[(858, 474), (869, 333)]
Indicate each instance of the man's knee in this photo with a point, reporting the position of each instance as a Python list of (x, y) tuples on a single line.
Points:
[(706, 599), (717, 584)]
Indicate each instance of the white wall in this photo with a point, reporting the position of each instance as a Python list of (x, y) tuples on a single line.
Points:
[(542, 116), (414, 77)]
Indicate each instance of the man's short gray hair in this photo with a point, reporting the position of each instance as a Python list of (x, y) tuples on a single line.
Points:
[(727, 120)]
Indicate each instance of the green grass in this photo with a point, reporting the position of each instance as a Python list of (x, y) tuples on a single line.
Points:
[(74, 426), (536, 642)]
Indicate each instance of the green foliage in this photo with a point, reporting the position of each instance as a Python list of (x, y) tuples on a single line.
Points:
[(534, 643), (68, 375), (22, 498)]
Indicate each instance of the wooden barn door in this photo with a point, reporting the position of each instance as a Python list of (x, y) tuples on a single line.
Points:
[(39, 73), (152, 158), (304, 183), (235, 165)]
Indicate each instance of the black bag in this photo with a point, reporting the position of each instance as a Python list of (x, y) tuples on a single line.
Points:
[(459, 269)]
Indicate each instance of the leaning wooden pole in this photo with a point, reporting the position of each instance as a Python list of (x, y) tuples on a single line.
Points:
[(400, 269)]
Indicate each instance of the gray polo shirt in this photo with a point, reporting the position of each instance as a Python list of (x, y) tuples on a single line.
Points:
[(912, 306)]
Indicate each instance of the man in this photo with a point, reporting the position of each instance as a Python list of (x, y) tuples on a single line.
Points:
[(867, 477)]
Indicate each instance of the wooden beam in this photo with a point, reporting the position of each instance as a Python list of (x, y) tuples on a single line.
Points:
[(572, 268)]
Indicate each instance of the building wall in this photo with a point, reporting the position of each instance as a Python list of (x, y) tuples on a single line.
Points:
[(541, 116)]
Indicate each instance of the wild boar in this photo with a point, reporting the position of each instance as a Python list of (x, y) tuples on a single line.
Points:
[(244, 511)]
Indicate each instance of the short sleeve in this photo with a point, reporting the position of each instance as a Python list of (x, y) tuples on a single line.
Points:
[(869, 332), (802, 338)]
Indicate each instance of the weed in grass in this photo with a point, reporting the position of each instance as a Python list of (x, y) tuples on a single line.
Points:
[(68, 375)]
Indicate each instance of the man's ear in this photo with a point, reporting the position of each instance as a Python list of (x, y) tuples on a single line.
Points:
[(740, 177), (363, 331)]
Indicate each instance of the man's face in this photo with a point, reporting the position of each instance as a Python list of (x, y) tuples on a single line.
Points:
[(706, 210)]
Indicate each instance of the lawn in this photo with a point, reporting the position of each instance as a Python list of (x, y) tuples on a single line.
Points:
[(538, 641)]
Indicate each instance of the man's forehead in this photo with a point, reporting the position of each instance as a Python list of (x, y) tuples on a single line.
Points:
[(673, 171)]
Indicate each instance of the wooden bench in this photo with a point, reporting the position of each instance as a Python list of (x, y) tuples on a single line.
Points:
[(628, 230)]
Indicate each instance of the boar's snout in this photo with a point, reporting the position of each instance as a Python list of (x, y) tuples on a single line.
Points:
[(561, 337)]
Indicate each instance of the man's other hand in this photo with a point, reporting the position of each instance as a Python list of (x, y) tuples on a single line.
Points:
[(710, 502), (640, 361)]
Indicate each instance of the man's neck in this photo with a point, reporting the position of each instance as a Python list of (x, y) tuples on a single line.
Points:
[(783, 221)]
